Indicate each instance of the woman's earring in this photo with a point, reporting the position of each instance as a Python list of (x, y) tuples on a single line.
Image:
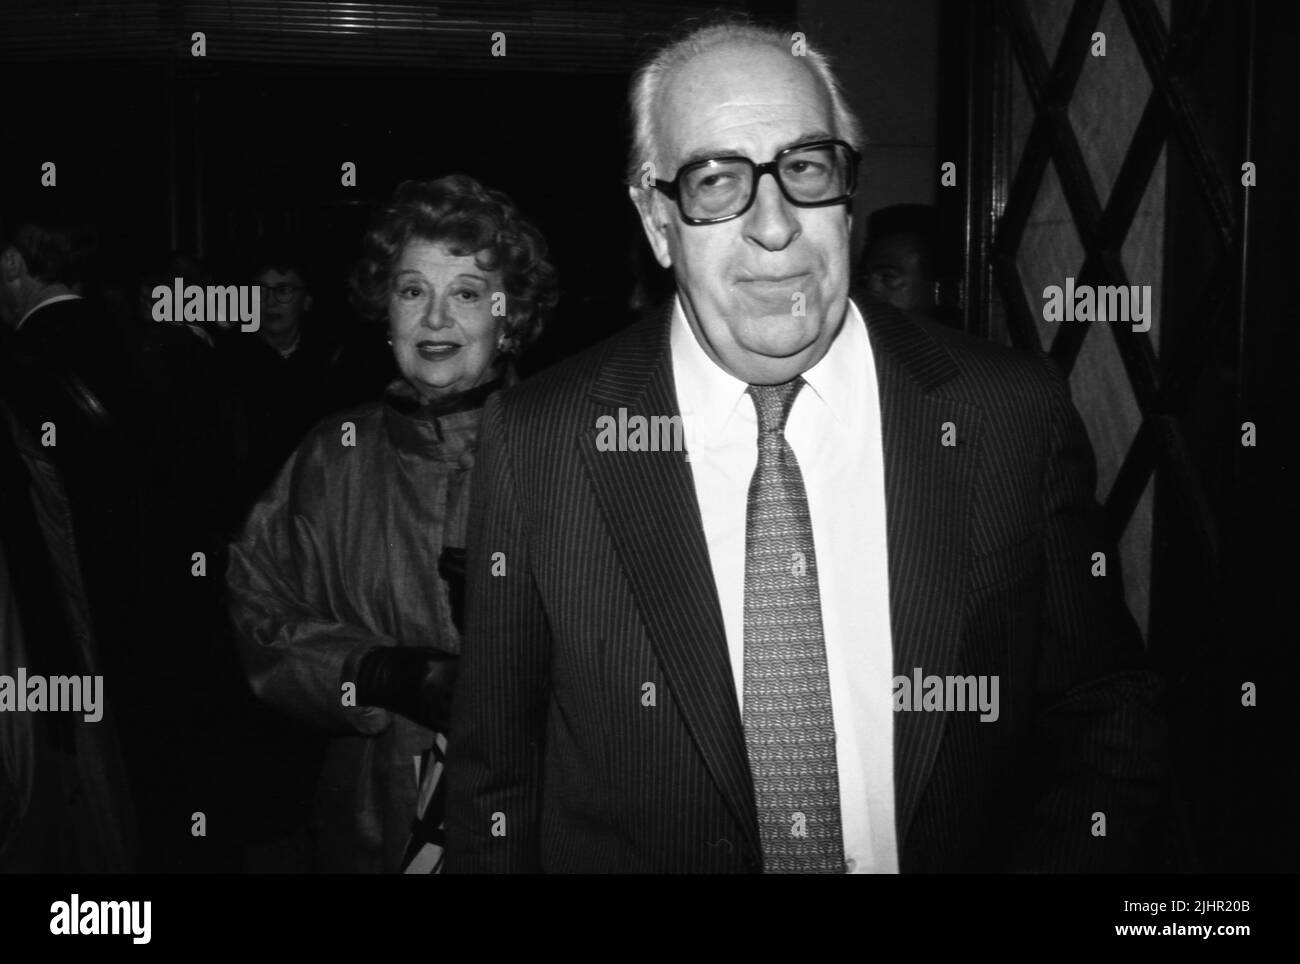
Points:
[(390, 341)]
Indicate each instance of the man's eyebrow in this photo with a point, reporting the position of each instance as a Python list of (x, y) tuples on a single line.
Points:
[(808, 138), (709, 153)]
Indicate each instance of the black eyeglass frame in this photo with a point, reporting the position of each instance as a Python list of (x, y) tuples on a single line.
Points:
[(672, 189), (274, 290)]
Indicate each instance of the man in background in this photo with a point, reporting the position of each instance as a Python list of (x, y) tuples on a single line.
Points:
[(905, 262)]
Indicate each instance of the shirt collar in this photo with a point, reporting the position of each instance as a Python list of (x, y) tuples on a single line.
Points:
[(48, 301), (710, 396), (838, 379), (289, 350)]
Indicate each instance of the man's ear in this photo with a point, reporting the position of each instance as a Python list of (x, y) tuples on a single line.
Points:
[(652, 222), (306, 304)]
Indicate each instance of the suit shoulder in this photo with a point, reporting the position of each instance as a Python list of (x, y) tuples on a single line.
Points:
[(996, 375), (66, 311)]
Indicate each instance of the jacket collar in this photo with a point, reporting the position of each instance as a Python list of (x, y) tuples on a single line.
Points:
[(443, 431)]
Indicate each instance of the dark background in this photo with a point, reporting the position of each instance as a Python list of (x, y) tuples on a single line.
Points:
[(211, 155)]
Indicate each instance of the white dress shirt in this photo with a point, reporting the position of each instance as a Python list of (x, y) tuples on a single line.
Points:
[(834, 430)]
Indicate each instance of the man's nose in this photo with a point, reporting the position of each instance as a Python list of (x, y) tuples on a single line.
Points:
[(771, 222)]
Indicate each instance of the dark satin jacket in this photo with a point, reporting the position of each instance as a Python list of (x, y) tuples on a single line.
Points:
[(341, 554)]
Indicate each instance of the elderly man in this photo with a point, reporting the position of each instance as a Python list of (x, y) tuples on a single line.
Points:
[(851, 624)]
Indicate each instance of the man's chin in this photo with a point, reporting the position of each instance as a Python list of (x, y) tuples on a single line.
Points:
[(780, 336)]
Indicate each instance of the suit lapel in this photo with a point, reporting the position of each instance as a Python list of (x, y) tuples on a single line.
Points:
[(649, 503), (927, 496)]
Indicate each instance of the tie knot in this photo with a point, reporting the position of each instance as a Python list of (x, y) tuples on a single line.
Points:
[(773, 404)]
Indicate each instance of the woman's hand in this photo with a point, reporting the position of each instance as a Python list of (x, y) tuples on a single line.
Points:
[(416, 682)]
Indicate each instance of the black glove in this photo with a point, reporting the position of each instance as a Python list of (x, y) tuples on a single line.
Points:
[(416, 682)]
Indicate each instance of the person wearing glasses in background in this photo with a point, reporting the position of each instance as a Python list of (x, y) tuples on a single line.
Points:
[(279, 380), (286, 299), (682, 656)]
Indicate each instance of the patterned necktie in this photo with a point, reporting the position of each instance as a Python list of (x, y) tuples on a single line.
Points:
[(789, 727)]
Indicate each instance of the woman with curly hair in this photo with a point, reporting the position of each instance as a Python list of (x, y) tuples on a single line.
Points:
[(345, 583)]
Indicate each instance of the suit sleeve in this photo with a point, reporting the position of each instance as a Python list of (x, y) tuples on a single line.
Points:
[(494, 766), (1100, 750), (296, 652)]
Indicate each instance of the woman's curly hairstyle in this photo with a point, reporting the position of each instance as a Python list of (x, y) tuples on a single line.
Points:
[(468, 218)]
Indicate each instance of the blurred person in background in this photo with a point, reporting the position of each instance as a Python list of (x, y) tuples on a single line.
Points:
[(278, 378), (63, 376), (69, 535), (906, 264)]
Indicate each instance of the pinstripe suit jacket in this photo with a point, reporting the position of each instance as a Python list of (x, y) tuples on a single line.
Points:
[(589, 579)]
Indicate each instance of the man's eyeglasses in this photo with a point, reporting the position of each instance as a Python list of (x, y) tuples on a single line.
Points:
[(283, 293), (813, 175)]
